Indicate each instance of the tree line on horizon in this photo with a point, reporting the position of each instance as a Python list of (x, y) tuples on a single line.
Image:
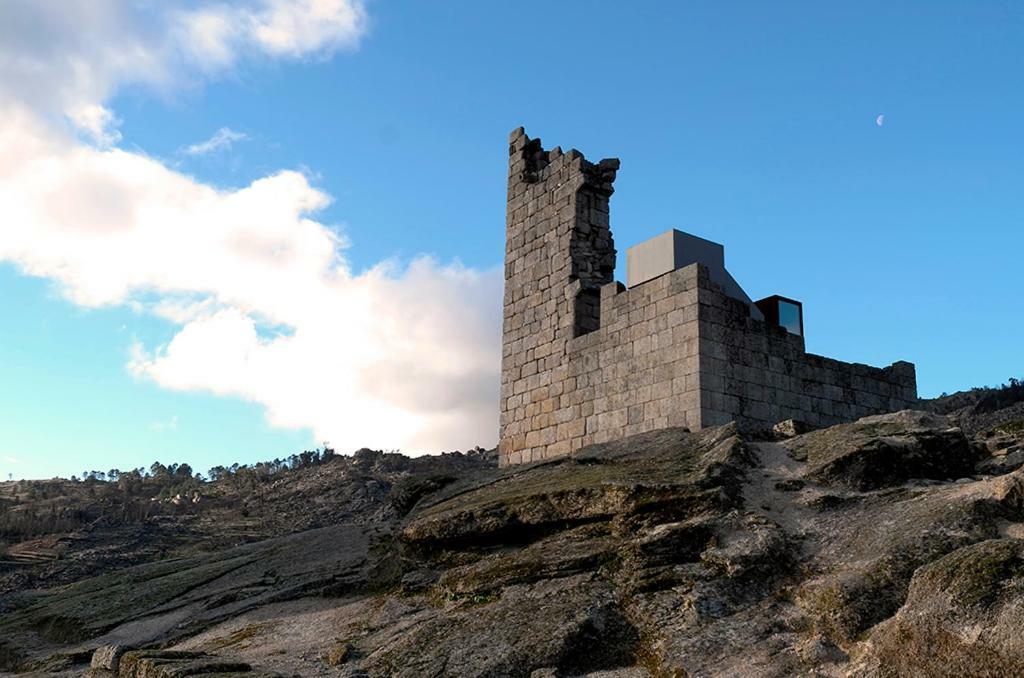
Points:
[(169, 474), (33, 508)]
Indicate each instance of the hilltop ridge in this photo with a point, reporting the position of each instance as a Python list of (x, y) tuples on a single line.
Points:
[(890, 546)]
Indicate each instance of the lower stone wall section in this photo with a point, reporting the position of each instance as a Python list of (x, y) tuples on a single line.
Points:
[(759, 375), (675, 351), (637, 372)]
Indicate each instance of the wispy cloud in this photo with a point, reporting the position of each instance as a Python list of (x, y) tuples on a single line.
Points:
[(11, 460), (164, 426), (223, 138), (96, 122)]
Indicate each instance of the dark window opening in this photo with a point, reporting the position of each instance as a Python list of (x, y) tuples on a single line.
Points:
[(782, 312), (587, 312)]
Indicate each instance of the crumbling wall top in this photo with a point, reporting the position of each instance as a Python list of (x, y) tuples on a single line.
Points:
[(536, 161)]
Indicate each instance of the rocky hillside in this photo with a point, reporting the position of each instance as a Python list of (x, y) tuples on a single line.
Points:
[(892, 546)]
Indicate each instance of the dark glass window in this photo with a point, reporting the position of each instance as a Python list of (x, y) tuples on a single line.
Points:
[(782, 312), (789, 317)]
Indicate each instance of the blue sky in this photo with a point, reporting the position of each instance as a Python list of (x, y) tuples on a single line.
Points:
[(753, 124)]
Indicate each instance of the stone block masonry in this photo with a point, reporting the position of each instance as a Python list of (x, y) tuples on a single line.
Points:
[(586, 361)]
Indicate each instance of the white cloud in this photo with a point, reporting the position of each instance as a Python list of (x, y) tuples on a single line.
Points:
[(270, 310), (217, 35), (97, 122), (11, 460), (225, 137), (267, 305), (68, 58)]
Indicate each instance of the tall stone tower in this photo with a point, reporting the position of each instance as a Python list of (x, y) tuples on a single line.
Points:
[(559, 252)]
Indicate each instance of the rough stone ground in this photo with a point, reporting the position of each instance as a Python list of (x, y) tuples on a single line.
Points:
[(891, 546)]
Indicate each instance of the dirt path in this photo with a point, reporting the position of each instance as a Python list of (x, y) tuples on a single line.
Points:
[(777, 489)]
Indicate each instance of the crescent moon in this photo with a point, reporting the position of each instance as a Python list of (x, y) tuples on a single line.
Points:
[(880, 120)]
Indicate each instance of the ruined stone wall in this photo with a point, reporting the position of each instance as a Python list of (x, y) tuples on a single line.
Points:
[(559, 251), (585, 361), (676, 351), (637, 372), (759, 375), (640, 370)]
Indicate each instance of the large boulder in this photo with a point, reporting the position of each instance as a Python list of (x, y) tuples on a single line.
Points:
[(876, 546), (573, 624), (885, 450), (666, 471), (963, 617)]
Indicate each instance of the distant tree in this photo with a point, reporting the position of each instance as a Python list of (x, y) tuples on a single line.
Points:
[(157, 470), (129, 482), (1002, 396)]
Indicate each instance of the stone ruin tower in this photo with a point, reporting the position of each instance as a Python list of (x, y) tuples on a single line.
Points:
[(584, 360)]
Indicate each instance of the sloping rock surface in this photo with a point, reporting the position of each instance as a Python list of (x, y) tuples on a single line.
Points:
[(891, 546), (963, 616)]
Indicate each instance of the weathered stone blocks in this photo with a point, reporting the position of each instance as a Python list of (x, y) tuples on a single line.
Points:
[(585, 360)]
